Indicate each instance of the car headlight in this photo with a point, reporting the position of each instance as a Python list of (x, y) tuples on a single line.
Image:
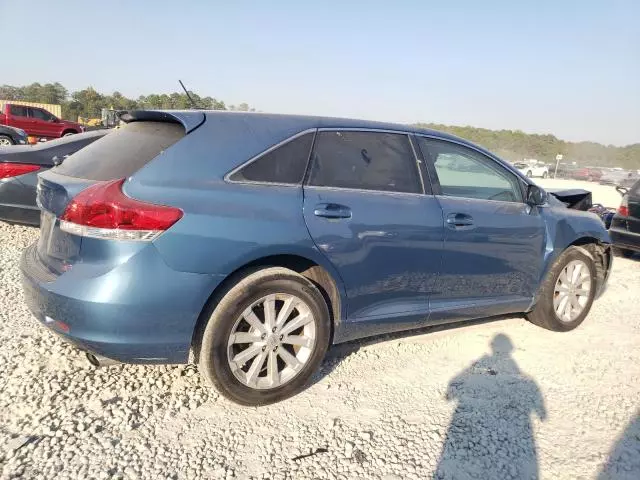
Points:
[(21, 132)]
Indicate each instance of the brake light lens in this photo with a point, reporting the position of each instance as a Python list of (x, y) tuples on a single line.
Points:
[(104, 211), (623, 209), (8, 170)]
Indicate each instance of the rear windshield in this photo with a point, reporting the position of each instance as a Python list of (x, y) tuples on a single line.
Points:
[(123, 152)]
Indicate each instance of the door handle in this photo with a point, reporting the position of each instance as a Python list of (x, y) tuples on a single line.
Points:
[(332, 210), (460, 221)]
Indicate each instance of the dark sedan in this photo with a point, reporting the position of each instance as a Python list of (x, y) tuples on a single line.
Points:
[(19, 167), (12, 136), (625, 226)]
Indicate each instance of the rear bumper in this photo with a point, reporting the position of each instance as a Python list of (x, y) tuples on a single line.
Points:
[(625, 239), (20, 214), (139, 311)]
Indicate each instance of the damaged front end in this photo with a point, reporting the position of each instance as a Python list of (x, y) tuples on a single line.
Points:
[(575, 198)]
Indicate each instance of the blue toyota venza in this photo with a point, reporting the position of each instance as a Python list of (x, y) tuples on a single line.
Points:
[(249, 243)]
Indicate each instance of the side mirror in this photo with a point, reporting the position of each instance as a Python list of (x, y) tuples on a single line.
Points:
[(54, 120), (536, 195)]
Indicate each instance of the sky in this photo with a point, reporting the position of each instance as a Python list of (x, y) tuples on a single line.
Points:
[(570, 68)]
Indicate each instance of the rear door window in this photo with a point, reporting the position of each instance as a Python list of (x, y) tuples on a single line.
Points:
[(284, 164), (365, 161), (122, 152), (18, 110)]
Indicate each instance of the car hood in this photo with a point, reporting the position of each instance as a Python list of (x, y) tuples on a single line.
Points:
[(575, 198)]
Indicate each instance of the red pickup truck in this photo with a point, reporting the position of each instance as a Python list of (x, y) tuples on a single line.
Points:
[(37, 121)]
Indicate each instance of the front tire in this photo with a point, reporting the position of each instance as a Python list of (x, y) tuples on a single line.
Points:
[(567, 292), (545, 174), (529, 173), (265, 338)]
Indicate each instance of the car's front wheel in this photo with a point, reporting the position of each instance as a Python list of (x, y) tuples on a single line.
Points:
[(266, 337), (567, 292), (5, 141)]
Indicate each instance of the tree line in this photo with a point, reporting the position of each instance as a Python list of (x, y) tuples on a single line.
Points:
[(511, 145), (88, 102), (514, 145)]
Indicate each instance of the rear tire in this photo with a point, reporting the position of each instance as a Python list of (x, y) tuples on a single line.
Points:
[(228, 331), (545, 313), (545, 174), (5, 141), (529, 173)]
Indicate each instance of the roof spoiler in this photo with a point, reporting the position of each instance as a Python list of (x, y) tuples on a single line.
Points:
[(189, 119)]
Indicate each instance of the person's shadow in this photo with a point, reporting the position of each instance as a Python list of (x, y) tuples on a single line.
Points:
[(624, 459), (490, 435)]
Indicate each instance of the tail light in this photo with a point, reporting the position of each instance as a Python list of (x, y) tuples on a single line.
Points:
[(8, 170), (623, 209), (103, 211)]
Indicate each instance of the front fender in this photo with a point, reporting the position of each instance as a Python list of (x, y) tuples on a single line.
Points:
[(566, 227)]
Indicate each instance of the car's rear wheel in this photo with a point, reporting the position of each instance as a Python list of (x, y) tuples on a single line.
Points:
[(5, 141), (566, 295), (545, 174), (529, 173), (266, 337)]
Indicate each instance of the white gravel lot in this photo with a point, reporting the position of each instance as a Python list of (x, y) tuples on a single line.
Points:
[(442, 404)]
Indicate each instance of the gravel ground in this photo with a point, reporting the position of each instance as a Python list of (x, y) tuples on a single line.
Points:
[(499, 399)]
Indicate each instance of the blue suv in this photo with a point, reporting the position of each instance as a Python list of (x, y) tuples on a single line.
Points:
[(249, 243)]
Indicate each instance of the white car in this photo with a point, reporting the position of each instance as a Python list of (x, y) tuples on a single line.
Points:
[(533, 169)]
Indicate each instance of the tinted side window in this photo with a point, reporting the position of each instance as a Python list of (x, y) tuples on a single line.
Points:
[(18, 111), (364, 160), (464, 172), (284, 164), (39, 114)]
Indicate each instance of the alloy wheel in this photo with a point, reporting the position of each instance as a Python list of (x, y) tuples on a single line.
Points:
[(572, 290), (271, 341)]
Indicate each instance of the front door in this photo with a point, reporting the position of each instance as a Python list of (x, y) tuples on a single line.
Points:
[(365, 210), (493, 241), (43, 122)]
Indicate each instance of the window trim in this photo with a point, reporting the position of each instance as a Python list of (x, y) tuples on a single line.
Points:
[(422, 184), (227, 177), (435, 180)]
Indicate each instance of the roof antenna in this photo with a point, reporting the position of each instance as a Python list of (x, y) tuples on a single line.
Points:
[(188, 96)]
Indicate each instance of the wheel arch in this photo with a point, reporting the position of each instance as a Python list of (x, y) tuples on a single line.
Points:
[(67, 131), (329, 286)]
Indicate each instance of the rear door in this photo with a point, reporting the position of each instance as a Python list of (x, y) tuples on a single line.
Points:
[(19, 118), (493, 241), (366, 211)]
